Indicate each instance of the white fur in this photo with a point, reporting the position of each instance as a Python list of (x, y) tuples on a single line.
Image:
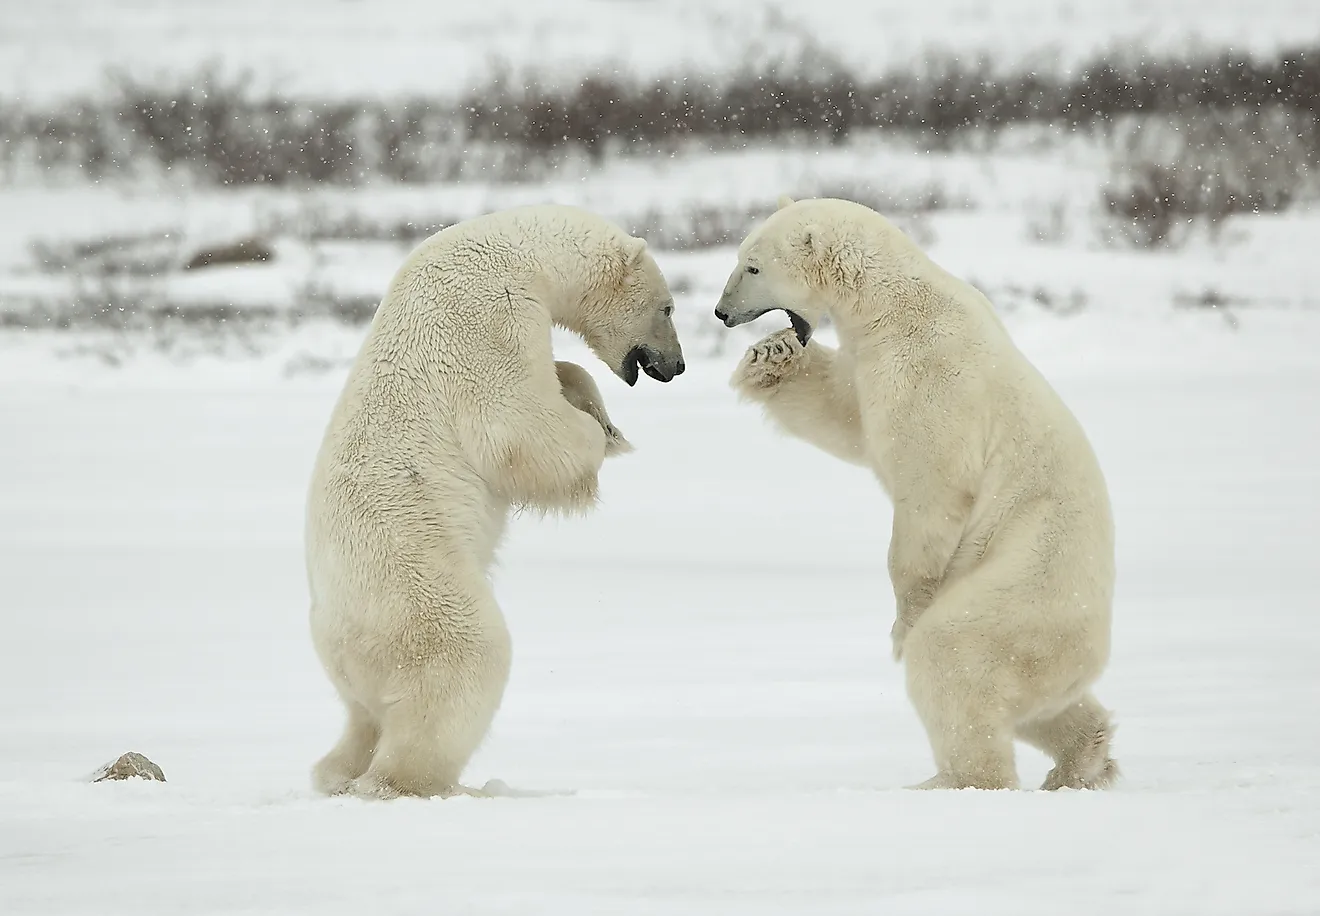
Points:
[(453, 413), (1002, 554)]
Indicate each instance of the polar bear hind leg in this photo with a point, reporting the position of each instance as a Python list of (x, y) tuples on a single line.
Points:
[(349, 759), (965, 712), (968, 684), (981, 676), (1078, 741), (441, 710)]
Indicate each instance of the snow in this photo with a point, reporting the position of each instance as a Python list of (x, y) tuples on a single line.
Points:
[(701, 667)]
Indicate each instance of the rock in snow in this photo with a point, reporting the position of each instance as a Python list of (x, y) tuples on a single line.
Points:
[(129, 766)]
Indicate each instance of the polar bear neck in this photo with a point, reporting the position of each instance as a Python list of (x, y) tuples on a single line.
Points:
[(543, 256), (911, 304), (576, 280), (556, 256)]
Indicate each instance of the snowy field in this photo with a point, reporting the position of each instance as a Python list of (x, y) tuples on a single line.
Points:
[(703, 663), (702, 702)]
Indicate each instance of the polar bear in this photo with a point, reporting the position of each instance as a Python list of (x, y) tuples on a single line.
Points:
[(1002, 550), (454, 413)]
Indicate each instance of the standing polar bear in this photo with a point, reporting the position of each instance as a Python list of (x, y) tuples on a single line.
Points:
[(454, 412), (1002, 552)]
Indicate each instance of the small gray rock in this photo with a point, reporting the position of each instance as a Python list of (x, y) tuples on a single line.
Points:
[(130, 766), (242, 251)]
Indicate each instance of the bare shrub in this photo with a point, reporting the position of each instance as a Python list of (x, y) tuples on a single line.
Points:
[(406, 139), (1214, 301), (819, 96), (132, 304), (219, 130), (137, 254), (318, 222), (696, 227), (107, 301), (1009, 298), (923, 198), (1048, 225), (1168, 176), (318, 299), (706, 226), (150, 253)]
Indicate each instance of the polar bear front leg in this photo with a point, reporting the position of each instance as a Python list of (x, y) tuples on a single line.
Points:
[(537, 449), (922, 544), (806, 391), (555, 467), (930, 517), (580, 390)]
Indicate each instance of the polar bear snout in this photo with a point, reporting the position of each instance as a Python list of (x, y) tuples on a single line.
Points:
[(649, 342), (665, 372), (658, 365), (801, 326), (732, 316)]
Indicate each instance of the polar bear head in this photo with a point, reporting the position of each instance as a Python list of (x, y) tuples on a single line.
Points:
[(628, 319), (811, 258)]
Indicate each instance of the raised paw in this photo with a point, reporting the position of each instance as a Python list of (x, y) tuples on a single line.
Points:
[(770, 361), (580, 390), (615, 443)]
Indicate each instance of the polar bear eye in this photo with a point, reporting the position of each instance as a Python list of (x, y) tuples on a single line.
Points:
[(667, 311), (753, 270)]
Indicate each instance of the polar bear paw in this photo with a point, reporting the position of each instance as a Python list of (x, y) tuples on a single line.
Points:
[(580, 390), (769, 362), (615, 443)]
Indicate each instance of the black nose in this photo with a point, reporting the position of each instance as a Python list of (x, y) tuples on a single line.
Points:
[(721, 314), (678, 369)]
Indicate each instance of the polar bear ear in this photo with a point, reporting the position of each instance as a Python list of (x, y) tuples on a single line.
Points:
[(811, 239), (633, 249), (785, 201), (834, 259)]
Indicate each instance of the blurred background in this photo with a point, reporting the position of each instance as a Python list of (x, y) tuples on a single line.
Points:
[(193, 181)]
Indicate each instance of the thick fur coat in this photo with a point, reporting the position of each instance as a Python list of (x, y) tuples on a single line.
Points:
[(454, 413), (1002, 550)]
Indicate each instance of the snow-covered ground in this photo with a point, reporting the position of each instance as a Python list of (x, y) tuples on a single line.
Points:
[(702, 680), (703, 663), (702, 672), (393, 47)]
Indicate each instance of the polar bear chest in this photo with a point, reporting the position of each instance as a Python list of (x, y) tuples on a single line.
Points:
[(880, 417)]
